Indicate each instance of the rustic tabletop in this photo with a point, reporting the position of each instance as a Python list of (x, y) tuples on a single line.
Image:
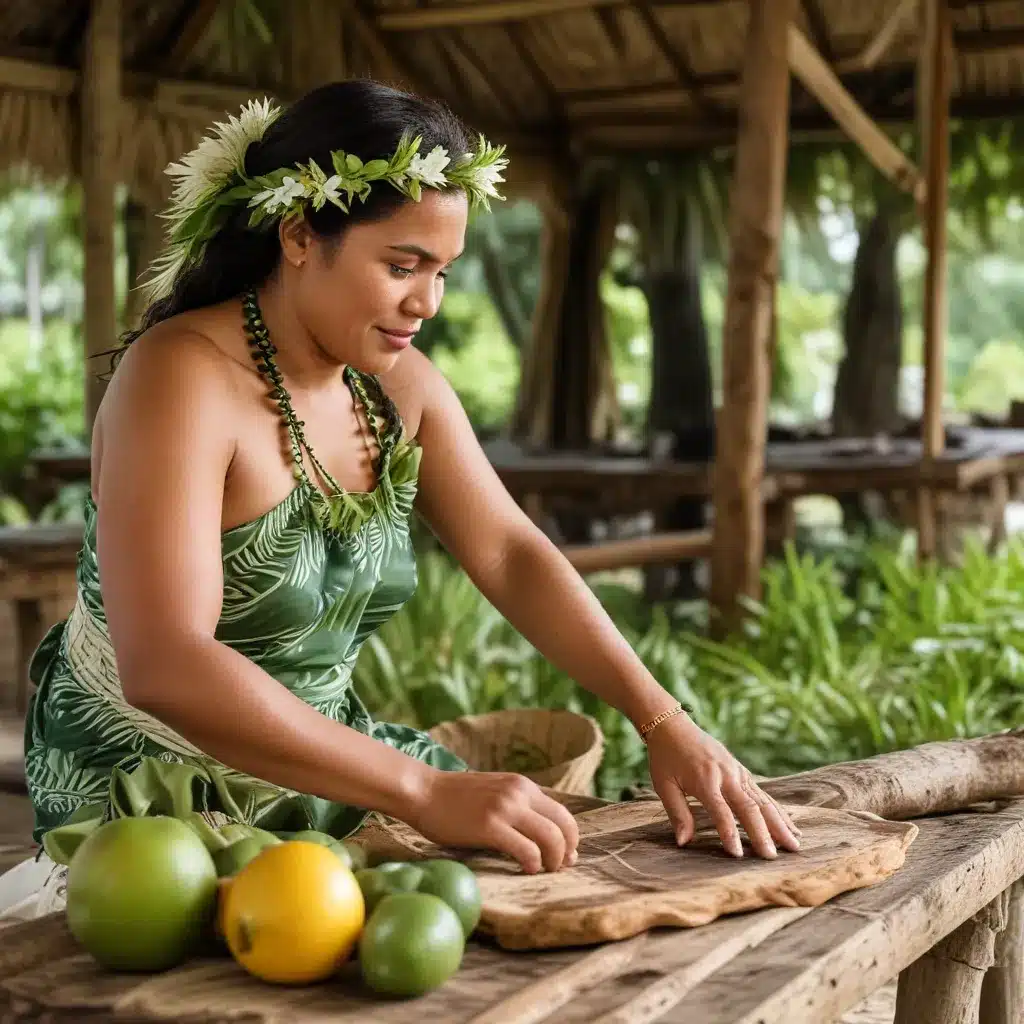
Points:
[(777, 966)]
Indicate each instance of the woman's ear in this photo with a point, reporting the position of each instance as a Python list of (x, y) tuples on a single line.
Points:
[(296, 238)]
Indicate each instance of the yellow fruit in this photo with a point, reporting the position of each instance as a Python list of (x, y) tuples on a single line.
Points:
[(293, 914)]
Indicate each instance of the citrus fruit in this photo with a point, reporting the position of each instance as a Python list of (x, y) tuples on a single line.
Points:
[(233, 858), (401, 877), (456, 884), (374, 886), (141, 893), (312, 836), (412, 943), (357, 855), (293, 914)]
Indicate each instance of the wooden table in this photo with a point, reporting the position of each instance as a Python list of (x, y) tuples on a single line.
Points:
[(38, 566), (781, 966)]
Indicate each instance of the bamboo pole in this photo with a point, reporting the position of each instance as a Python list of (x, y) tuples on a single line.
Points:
[(935, 210), (100, 107), (755, 224)]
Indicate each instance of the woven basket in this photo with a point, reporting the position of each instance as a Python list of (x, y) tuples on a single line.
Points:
[(557, 749)]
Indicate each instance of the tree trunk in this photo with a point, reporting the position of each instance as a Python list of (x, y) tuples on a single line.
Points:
[(866, 396), (681, 400)]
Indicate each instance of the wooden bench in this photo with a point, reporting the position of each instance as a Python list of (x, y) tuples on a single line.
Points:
[(37, 576)]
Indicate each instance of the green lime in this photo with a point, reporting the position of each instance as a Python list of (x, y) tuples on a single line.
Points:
[(402, 877), (374, 886), (312, 836), (341, 851), (412, 943), (233, 858), (141, 893), (357, 855), (456, 884)]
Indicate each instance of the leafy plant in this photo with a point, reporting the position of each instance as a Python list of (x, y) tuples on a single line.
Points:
[(842, 658)]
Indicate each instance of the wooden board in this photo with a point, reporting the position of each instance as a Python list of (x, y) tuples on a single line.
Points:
[(631, 876), (775, 966)]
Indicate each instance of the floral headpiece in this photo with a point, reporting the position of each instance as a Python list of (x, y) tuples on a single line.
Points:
[(210, 181)]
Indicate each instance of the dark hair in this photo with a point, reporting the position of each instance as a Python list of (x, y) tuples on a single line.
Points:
[(358, 116)]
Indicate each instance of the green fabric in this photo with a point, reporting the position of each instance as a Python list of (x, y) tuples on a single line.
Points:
[(205, 796), (300, 598)]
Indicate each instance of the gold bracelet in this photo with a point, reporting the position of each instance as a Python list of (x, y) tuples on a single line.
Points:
[(649, 727)]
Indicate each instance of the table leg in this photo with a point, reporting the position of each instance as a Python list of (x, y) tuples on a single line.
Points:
[(999, 497), (944, 986), (30, 629), (1002, 992)]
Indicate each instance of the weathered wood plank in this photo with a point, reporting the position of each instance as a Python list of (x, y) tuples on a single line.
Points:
[(827, 962)]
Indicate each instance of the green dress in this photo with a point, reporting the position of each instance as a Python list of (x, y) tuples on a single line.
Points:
[(304, 585)]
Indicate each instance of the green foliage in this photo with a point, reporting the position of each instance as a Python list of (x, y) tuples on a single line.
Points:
[(843, 658), (42, 400)]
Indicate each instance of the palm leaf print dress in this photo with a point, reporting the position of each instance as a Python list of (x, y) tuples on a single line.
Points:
[(304, 585)]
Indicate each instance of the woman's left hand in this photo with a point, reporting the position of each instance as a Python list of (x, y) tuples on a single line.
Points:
[(685, 760)]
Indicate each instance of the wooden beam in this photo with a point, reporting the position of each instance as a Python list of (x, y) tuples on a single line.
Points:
[(683, 72), (935, 229), (876, 49), (413, 19), (819, 28), (380, 53), (755, 217), (633, 552), (824, 84), (999, 41), (100, 113), (189, 32)]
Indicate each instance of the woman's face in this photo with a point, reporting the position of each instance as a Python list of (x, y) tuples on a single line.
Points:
[(364, 298)]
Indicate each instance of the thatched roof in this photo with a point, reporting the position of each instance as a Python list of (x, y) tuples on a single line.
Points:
[(603, 74)]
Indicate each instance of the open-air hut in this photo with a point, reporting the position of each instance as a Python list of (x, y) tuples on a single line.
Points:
[(112, 90)]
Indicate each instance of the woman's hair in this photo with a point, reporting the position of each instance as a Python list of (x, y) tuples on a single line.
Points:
[(358, 116)]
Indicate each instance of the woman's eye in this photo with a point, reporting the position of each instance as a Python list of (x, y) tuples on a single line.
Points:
[(400, 271)]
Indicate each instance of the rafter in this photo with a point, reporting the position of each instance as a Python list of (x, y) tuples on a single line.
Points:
[(876, 49), (493, 82), (517, 37), (480, 13), (683, 72), (187, 33), (819, 28)]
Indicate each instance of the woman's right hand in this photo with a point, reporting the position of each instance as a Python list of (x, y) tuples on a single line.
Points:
[(496, 811)]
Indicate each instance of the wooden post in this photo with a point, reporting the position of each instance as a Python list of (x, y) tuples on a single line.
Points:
[(944, 986), (939, 37), (100, 114), (1002, 992), (756, 218)]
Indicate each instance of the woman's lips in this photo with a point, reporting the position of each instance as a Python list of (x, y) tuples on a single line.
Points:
[(397, 339)]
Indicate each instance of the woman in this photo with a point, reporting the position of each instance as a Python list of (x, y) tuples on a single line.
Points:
[(239, 547)]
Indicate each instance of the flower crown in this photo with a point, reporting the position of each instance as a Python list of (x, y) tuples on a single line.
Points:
[(210, 181)]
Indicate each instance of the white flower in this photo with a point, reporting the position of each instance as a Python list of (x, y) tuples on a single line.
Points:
[(271, 198), (209, 167), (430, 169), (487, 178), (329, 189)]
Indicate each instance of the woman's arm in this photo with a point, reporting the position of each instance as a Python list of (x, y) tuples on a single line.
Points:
[(536, 588), (167, 443)]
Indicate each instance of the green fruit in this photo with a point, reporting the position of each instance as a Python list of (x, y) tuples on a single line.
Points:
[(357, 855), (401, 877), (412, 943), (456, 884), (374, 886), (312, 836), (233, 858), (141, 893), (341, 851)]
